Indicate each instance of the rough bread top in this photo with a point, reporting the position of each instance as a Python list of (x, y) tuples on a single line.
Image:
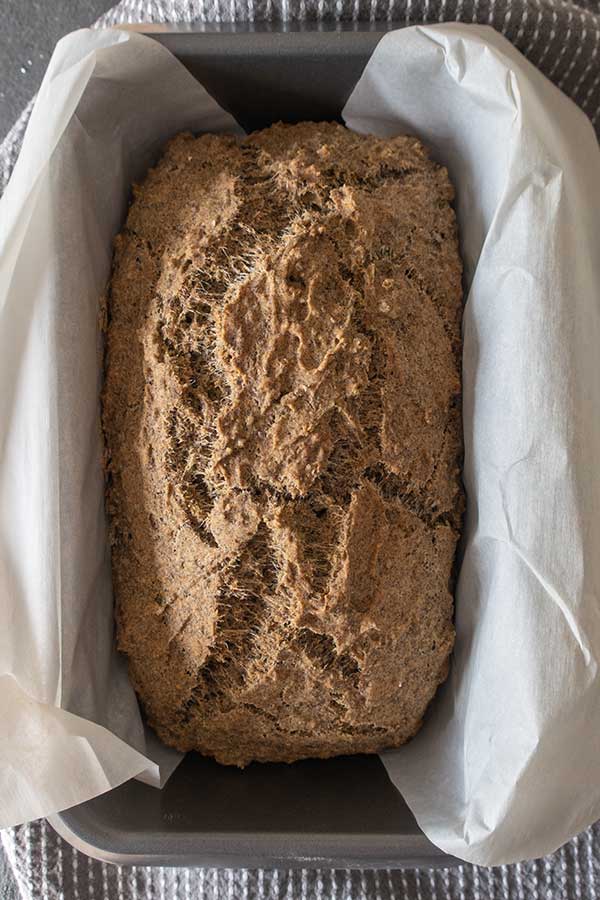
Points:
[(284, 440)]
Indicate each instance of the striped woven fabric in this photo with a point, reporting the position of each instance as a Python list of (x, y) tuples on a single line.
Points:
[(563, 40), (47, 868)]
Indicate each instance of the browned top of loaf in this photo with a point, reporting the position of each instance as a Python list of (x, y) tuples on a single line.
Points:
[(282, 414)]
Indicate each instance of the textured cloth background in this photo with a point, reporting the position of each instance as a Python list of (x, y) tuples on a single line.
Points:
[(47, 868), (562, 38)]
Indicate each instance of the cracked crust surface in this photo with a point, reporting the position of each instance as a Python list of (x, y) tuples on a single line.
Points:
[(284, 439)]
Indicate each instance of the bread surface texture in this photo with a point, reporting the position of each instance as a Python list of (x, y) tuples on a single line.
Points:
[(284, 439)]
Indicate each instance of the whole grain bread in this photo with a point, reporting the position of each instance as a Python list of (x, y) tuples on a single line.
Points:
[(283, 428)]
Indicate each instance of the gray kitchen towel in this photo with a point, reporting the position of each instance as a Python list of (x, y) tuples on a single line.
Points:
[(47, 868), (563, 39)]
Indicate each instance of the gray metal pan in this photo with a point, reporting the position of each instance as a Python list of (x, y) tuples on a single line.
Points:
[(342, 812), (339, 813)]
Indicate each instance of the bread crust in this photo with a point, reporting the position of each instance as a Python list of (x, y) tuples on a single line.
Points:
[(284, 441)]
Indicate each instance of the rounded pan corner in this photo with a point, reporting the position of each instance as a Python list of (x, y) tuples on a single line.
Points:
[(258, 850)]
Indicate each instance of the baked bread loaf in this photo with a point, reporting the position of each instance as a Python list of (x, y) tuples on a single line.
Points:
[(283, 430)]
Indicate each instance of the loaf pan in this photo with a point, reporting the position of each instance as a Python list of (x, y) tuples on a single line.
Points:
[(342, 812)]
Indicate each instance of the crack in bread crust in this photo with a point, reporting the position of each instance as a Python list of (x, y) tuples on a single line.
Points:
[(284, 441)]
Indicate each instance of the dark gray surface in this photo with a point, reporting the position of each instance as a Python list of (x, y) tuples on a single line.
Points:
[(30, 29)]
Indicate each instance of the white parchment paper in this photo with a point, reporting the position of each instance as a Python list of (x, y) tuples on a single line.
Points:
[(508, 763), (70, 727)]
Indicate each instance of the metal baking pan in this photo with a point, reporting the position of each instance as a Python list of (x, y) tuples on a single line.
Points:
[(342, 812)]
